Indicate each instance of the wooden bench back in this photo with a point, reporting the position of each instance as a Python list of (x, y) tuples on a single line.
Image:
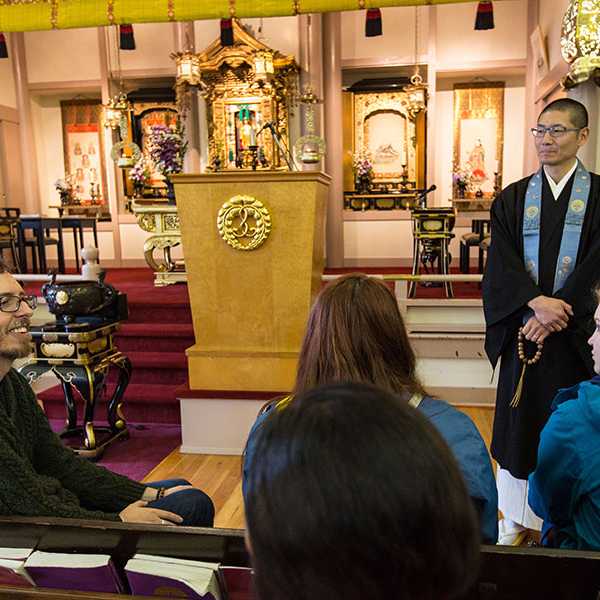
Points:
[(505, 573)]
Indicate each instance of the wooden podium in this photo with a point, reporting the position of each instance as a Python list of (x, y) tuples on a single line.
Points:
[(249, 306)]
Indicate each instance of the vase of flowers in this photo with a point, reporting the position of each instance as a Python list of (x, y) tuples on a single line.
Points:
[(66, 190), (140, 176), (167, 149), (461, 178), (363, 172)]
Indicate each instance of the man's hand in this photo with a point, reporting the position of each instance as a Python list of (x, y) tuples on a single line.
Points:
[(534, 331), (139, 512), (552, 313)]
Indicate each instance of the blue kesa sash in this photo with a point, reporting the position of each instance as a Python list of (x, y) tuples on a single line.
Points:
[(571, 231)]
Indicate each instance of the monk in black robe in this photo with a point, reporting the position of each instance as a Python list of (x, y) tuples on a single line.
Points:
[(562, 320)]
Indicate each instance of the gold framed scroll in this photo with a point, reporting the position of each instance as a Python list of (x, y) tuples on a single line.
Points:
[(83, 147), (478, 137), (394, 143)]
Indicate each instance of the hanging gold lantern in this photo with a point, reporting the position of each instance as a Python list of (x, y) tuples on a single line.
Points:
[(580, 40), (416, 93), (116, 109), (263, 66), (187, 67)]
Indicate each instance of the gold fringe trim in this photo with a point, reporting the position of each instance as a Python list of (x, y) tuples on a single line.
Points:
[(519, 391)]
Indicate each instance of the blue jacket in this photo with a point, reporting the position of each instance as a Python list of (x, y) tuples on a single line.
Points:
[(469, 450), (564, 489)]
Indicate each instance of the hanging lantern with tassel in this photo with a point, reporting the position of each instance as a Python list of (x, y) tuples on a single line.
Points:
[(126, 39), (3, 47), (485, 15), (373, 26), (226, 32)]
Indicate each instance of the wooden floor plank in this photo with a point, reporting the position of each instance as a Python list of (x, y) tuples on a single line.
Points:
[(220, 476)]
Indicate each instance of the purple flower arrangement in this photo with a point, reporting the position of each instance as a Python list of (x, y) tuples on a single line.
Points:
[(167, 148), (362, 165), (140, 173)]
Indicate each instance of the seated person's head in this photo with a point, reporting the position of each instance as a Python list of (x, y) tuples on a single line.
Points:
[(594, 341), (355, 333), (347, 502)]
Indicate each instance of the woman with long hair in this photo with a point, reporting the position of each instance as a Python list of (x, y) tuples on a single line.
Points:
[(355, 333), (344, 502)]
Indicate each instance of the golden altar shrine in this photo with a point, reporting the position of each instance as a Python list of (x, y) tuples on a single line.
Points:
[(162, 222), (253, 244)]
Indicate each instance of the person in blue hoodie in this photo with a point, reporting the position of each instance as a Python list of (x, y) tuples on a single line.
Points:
[(564, 489), (356, 334)]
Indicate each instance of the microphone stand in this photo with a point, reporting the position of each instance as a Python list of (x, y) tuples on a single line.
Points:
[(281, 145)]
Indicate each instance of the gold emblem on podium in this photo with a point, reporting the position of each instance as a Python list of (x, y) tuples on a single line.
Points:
[(244, 222)]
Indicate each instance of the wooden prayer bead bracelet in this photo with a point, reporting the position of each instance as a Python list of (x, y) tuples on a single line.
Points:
[(521, 350)]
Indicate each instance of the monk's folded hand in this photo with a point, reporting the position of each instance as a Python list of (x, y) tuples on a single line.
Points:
[(534, 331), (552, 313)]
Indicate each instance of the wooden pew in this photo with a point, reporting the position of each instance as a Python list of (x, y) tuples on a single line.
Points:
[(505, 573)]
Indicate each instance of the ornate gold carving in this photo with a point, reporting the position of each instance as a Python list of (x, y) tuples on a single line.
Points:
[(57, 350), (580, 40), (171, 222), (244, 222), (62, 297), (97, 345), (147, 222), (228, 77)]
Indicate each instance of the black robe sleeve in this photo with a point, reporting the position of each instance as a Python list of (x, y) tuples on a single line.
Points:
[(577, 290), (507, 287)]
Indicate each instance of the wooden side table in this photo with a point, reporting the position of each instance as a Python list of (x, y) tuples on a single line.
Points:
[(80, 355)]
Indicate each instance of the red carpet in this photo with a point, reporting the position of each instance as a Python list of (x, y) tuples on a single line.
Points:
[(136, 456), (156, 336)]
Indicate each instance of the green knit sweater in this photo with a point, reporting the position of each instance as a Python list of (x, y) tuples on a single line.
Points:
[(40, 477)]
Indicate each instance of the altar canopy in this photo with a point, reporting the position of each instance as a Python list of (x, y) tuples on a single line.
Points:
[(31, 15)]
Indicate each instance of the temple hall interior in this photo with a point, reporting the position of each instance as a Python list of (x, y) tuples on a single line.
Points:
[(179, 182)]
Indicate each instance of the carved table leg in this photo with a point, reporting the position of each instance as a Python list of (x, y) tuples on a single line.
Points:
[(116, 420)]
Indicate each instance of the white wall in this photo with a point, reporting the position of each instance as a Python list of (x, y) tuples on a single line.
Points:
[(154, 43), (62, 55), (47, 123), (550, 17), (459, 43), (280, 33), (7, 83), (396, 45)]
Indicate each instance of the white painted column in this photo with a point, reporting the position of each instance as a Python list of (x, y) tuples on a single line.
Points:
[(32, 201), (588, 93), (332, 85)]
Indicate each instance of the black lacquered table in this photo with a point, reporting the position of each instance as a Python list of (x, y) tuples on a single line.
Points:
[(81, 355)]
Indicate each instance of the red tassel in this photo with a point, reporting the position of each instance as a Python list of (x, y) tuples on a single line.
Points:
[(126, 39), (373, 25), (3, 47), (485, 15), (226, 32)]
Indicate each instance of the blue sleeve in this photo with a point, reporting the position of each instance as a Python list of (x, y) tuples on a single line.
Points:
[(473, 459), (251, 448), (553, 485)]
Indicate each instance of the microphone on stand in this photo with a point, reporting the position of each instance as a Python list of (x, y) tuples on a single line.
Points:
[(267, 125), (421, 200)]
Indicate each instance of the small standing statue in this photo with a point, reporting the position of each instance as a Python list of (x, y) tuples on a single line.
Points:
[(91, 269)]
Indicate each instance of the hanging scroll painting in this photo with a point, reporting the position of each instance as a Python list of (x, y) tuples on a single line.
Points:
[(478, 138), (83, 145)]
